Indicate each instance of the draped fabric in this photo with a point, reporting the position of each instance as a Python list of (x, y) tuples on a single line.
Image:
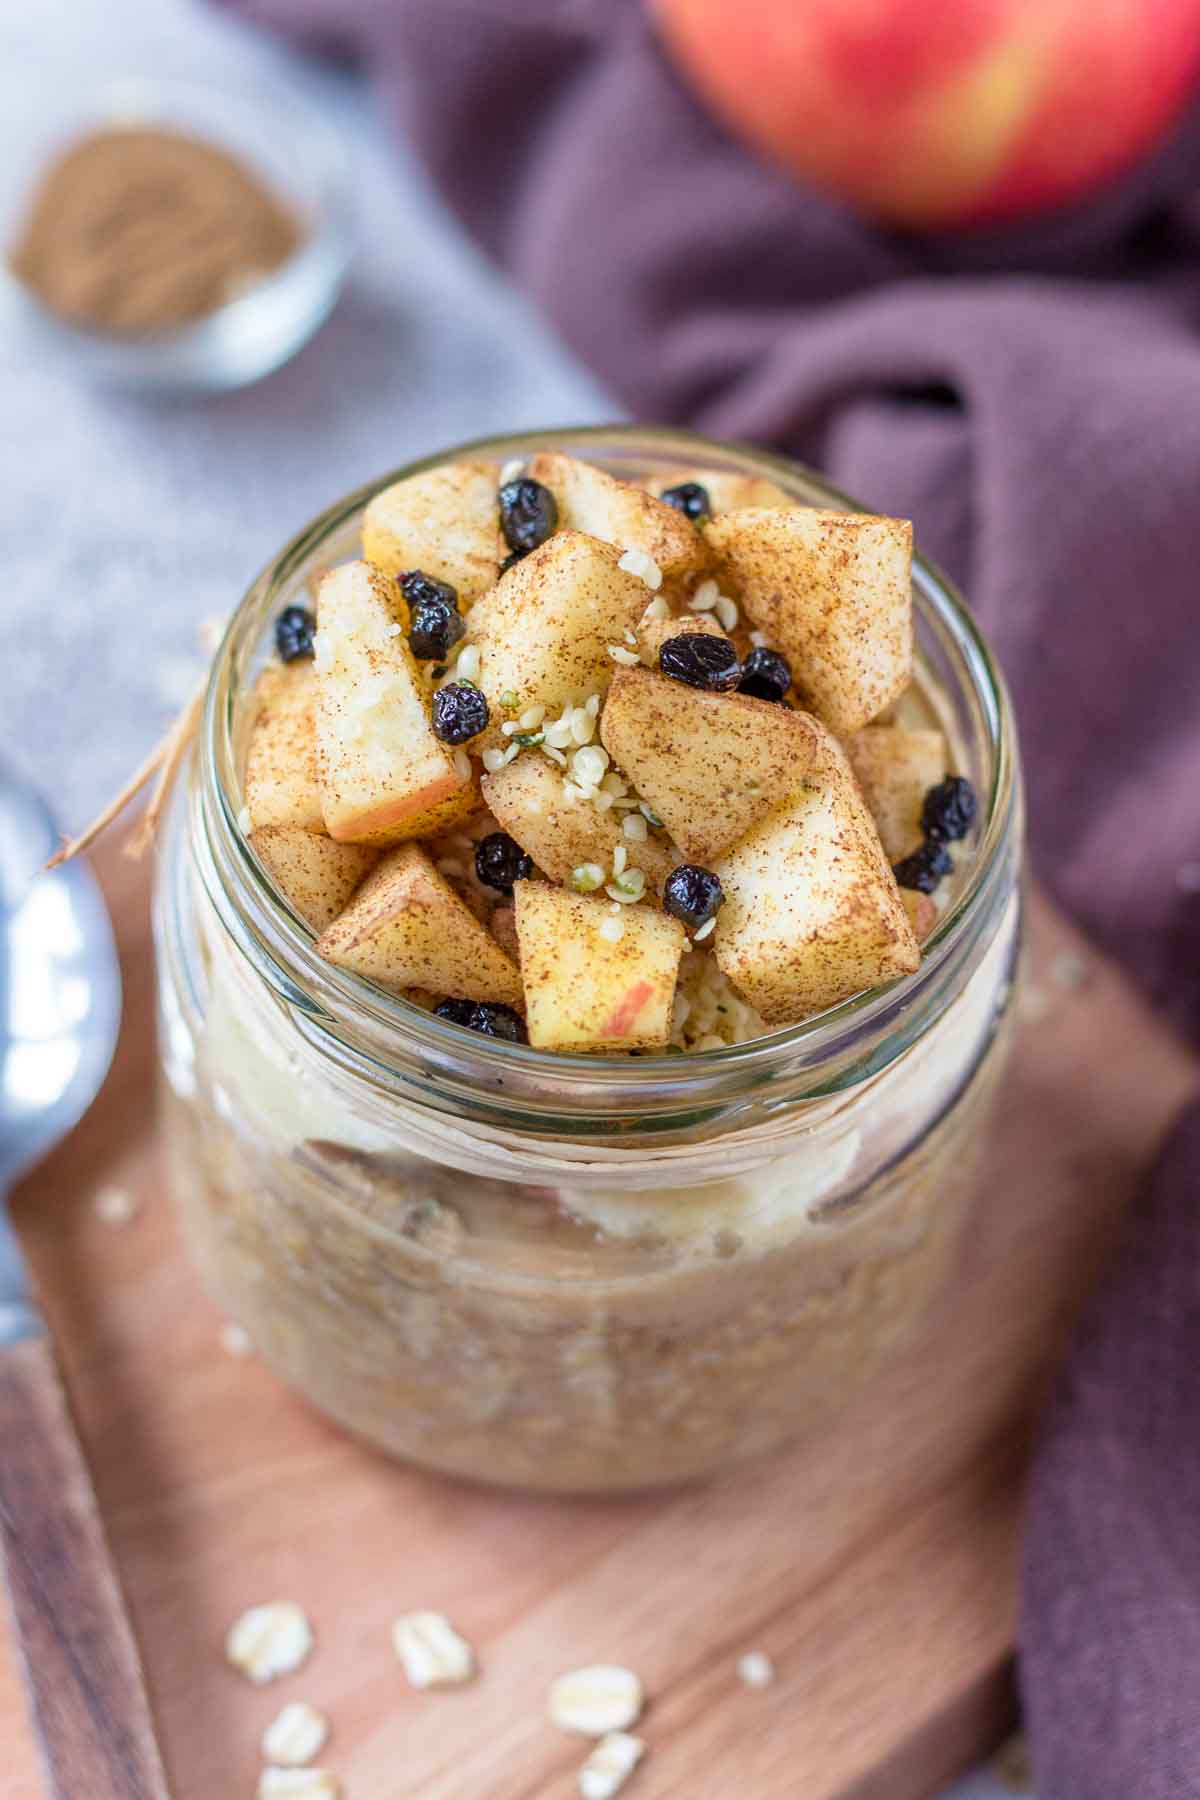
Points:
[(1030, 397)]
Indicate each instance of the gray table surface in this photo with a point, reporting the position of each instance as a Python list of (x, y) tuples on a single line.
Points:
[(125, 523)]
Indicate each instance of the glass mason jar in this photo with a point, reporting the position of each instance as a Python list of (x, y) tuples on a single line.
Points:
[(572, 1274)]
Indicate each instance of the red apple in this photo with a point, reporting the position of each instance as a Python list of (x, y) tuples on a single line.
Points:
[(934, 113)]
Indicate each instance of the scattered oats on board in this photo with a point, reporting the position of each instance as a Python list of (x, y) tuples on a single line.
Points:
[(312, 1784), (596, 1700), (269, 1641), (756, 1670), (295, 1735), (610, 1765), (115, 1206), (431, 1650)]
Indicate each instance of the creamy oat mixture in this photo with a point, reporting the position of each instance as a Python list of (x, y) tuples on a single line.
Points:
[(612, 771)]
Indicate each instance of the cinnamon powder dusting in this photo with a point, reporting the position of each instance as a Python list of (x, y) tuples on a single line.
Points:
[(137, 231)]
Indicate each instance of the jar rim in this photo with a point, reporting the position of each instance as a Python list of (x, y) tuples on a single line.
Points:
[(403, 1036)]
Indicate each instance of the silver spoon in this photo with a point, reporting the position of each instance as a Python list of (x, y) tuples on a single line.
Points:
[(60, 1004)]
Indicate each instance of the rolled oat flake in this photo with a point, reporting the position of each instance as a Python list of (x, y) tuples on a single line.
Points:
[(433, 1653), (596, 1700)]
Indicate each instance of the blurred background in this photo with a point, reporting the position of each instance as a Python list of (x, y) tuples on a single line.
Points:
[(128, 520)]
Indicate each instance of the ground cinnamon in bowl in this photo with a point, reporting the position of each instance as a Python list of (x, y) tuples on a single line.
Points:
[(139, 231)]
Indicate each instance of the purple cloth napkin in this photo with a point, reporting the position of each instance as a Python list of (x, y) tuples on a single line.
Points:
[(1030, 396), (1111, 1626)]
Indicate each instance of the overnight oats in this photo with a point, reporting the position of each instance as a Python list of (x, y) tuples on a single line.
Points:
[(585, 936)]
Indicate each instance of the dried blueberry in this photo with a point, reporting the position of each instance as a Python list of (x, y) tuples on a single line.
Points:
[(432, 630), (765, 674), (693, 894), (459, 712), (496, 1020), (500, 860), (949, 809), (458, 1012), (702, 661), (485, 1016), (689, 498), (924, 868), (528, 514), (294, 631), (420, 589)]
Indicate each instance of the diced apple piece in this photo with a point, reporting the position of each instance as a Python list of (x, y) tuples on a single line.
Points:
[(652, 634), (445, 521), (922, 912), (728, 491), (315, 875), (833, 591), (591, 500), (443, 816), (710, 765), (406, 927), (529, 799), (586, 987), (283, 776), (896, 769), (382, 768), (543, 633), (812, 913)]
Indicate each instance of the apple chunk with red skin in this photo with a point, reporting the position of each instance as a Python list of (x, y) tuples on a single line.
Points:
[(283, 769), (544, 630), (710, 765), (585, 990), (812, 912), (445, 521), (315, 875), (895, 768), (943, 112), (593, 501), (407, 928), (383, 771), (529, 799), (834, 591)]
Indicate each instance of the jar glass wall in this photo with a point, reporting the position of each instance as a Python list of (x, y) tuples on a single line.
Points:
[(572, 1273)]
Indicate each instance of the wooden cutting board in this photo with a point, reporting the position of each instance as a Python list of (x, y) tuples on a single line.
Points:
[(875, 1566)]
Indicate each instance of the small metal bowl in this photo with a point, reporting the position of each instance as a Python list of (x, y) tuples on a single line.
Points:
[(276, 131)]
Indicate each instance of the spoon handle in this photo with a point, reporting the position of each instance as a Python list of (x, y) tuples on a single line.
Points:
[(82, 1670)]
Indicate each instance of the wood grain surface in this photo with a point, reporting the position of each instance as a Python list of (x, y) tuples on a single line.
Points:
[(875, 1565), (81, 1664)]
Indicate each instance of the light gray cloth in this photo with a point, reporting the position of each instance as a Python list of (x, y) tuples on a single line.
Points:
[(125, 522)]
